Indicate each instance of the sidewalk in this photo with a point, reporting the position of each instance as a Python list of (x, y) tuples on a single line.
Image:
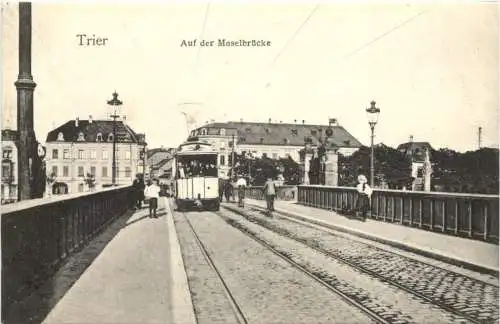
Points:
[(467, 253), (128, 274)]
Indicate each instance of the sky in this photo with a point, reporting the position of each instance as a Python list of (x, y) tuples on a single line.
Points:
[(431, 68)]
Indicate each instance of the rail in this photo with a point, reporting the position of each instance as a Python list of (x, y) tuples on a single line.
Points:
[(469, 215), (39, 234)]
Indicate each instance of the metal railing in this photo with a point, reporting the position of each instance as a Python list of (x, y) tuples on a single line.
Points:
[(468, 215), (286, 193), (38, 234)]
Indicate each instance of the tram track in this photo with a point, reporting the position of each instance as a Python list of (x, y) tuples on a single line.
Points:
[(238, 313), (330, 285), (354, 263)]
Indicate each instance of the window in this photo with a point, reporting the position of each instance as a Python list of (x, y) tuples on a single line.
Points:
[(222, 144), (104, 171), (81, 154), (55, 154), (268, 130), (222, 132), (7, 153), (105, 155), (54, 170), (230, 160), (275, 156), (66, 155), (294, 132), (285, 140), (248, 130), (127, 155), (99, 137), (81, 137), (242, 139), (81, 173), (264, 155), (314, 132), (60, 136), (261, 140), (222, 160), (65, 171), (80, 187), (93, 155), (110, 137), (204, 131), (92, 170), (128, 172)]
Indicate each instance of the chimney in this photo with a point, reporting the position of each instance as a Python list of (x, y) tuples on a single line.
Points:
[(90, 119), (411, 138), (76, 121), (295, 121), (303, 121), (241, 120), (269, 120)]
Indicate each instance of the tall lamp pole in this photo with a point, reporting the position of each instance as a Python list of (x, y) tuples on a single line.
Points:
[(372, 114), (115, 102)]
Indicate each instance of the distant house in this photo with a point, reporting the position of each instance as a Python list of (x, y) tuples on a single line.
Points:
[(417, 152), (81, 147), (157, 160), (273, 140), (9, 166)]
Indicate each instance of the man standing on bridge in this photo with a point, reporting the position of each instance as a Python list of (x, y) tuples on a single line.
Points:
[(270, 193), (153, 193)]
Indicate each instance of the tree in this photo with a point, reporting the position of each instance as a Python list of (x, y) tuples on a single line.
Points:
[(391, 167)]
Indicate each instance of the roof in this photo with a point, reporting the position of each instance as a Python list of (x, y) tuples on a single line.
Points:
[(10, 135), (161, 163), (90, 129), (280, 133), (158, 150), (416, 149)]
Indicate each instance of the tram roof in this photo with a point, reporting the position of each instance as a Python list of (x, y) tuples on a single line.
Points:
[(195, 148)]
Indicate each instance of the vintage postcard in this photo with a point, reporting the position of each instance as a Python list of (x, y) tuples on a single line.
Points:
[(249, 162)]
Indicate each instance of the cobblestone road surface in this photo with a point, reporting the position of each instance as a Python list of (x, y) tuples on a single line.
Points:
[(469, 296), (389, 302), (267, 288)]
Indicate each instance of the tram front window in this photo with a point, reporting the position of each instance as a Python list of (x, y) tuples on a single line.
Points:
[(197, 167)]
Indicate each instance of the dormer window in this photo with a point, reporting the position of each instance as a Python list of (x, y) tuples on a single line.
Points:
[(285, 140), (192, 133), (110, 137), (60, 136), (242, 139), (261, 140), (99, 137), (294, 132), (248, 130), (81, 137), (268, 130), (222, 132), (314, 132), (204, 131)]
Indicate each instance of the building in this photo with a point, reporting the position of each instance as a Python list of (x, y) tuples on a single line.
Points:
[(274, 140), (9, 166), (81, 147), (419, 153)]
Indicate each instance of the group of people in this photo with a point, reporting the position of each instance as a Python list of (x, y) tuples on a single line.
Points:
[(226, 188), (146, 191), (195, 168)]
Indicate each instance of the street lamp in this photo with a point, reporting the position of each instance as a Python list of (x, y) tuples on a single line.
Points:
[(372, 114), (115, 102)]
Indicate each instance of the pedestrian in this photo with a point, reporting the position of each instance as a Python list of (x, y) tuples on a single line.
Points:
[(227, 190), (270, 193), (221, 189), (152, 192), (364, 195), (139, 187), (242, 185)]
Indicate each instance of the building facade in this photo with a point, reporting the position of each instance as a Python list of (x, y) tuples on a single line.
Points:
[(273, 140), (9, 166), (82, 147)]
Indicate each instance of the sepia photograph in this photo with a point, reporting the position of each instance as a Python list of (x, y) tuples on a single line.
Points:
[(208, 162)]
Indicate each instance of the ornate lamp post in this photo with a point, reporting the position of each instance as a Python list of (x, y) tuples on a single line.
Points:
[(372, 114), (115, 102)]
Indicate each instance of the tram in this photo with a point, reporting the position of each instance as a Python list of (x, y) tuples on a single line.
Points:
[(196, 176)]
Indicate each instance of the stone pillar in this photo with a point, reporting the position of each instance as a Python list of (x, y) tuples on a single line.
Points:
[(25, 88), (307, 167), (331, 169)]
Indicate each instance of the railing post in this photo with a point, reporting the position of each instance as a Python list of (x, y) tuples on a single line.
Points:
[(443, 211), (402, 209), (456, 217), (420, 211), (410, 211), (485, 215), (469, 214)]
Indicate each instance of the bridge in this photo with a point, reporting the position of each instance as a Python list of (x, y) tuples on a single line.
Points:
[(91, 258)]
